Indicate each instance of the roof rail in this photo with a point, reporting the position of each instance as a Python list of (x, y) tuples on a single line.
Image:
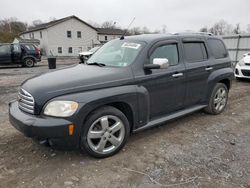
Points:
[(195, 33)]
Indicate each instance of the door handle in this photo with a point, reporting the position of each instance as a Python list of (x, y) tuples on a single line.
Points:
[(176, 75), (208, 68)]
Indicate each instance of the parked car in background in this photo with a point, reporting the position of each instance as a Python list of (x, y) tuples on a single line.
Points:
[(83, 56), (25, 54), (128, 85), (242, 69)]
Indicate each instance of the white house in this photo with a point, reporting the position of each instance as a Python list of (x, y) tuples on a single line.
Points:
[(69, 36), (107, 34)]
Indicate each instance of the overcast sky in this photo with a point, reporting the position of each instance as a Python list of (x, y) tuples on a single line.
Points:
[(177, 15)]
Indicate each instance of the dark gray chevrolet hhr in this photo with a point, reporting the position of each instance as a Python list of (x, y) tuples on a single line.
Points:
[(128, 85)]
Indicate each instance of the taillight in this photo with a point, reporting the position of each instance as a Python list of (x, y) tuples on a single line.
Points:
[(38, 51)]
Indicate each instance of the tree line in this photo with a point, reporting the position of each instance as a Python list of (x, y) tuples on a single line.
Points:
[(12, 27)]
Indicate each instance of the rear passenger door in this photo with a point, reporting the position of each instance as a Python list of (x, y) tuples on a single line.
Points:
[(5, 54), (197, 70)]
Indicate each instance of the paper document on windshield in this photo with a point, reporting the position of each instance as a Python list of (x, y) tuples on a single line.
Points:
[(131, 45)]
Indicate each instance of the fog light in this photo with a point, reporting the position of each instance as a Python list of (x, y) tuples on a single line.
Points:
[(71, 129)]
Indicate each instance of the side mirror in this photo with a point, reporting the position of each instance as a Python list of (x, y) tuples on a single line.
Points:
[(158, 63)]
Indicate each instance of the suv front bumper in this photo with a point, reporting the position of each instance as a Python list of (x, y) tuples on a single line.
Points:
[(53, 129)]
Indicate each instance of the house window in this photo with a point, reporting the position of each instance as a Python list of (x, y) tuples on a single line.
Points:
[(59, 50), (32, 35), (106, 37), (79, 34), (41, 34), (70, 50), (69, 34)]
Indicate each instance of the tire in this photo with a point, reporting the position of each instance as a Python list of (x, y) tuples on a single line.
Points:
[(97, 138), (218, 99), (29, 62)]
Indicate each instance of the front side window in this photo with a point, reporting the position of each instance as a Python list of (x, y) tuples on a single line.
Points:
[(118, 53), (69, 34), (168, 51), (195, 51), (70, 50), (217, 47)]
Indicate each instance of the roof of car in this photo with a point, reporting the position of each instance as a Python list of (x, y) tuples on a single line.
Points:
[(155, 37)]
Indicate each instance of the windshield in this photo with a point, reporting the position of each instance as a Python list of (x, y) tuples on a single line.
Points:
[(117, 53), (94, 49)]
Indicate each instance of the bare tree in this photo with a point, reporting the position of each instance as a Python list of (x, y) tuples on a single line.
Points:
[(37, 22), (108, 24), (94, 24), (145, 30), (204, 29), (248, 28), (221, 28), (236, 30), (135, 31)]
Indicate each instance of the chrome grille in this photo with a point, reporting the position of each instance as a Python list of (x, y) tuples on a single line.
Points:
[(26, 101)]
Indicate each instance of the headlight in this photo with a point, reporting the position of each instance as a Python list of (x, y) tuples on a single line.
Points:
[(241, 62), (61, 108)]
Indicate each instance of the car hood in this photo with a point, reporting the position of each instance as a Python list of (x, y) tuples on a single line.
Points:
[(75, 79)]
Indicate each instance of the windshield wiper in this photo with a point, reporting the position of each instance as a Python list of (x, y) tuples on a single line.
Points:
[(98, 64)]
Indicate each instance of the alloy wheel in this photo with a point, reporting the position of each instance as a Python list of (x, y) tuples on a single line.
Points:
[(106, 134)]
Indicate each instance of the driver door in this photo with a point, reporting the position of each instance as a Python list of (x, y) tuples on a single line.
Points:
[(166, 87)]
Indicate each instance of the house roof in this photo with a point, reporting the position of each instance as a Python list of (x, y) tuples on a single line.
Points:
[(55, 22), (109, 31)]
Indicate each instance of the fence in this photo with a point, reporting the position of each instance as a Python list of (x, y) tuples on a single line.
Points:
[(237, 45)]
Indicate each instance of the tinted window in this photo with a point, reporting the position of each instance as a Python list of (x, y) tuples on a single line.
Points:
[(169, 51), (195, 51), (217, 47), (29, 47), (4, 49)]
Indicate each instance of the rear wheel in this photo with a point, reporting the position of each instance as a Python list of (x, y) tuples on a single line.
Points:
[(29, 62), (105, 132), (218, 99)]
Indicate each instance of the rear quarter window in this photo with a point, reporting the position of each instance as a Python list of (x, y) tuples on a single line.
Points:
[(217, 48)]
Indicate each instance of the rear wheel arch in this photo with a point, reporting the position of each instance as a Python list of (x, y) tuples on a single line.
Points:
[(227, 82)]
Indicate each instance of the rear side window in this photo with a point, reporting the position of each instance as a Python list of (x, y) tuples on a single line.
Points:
[(168, 51), (195, 51), (218, 48), (29, 47)]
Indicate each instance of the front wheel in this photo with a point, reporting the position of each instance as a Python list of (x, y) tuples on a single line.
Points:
[(218, 99), (105, 132)]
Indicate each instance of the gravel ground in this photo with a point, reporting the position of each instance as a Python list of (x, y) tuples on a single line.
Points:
[(198, 150)]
